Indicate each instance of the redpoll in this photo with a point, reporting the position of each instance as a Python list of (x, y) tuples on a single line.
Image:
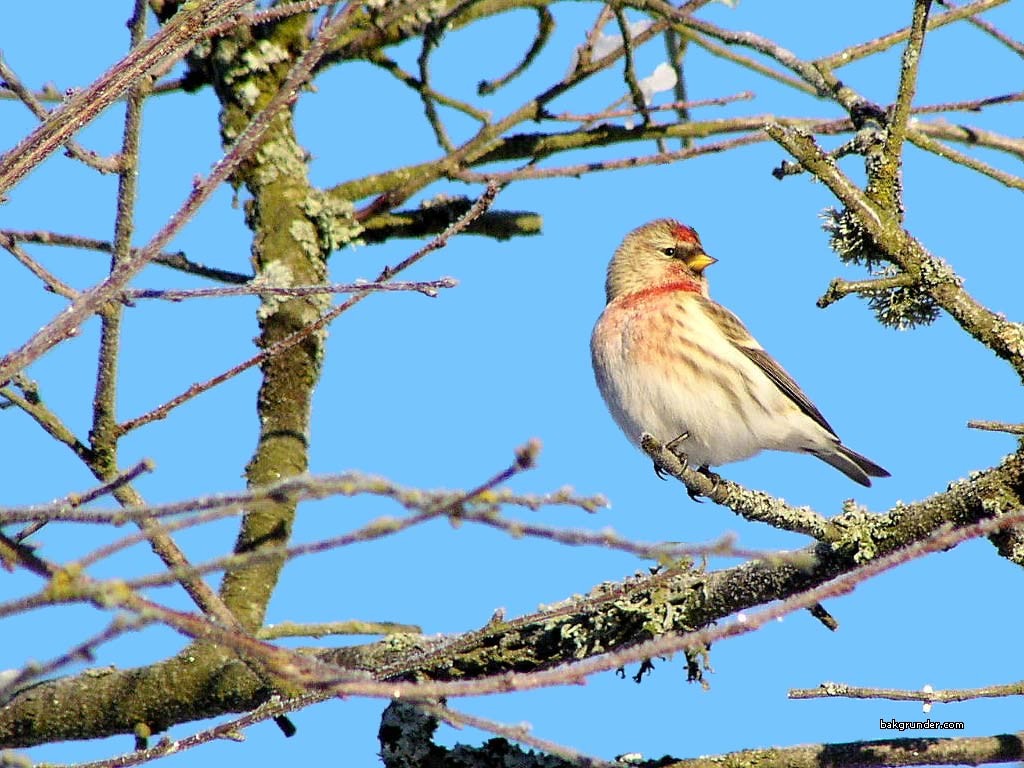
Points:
[(672, 362)]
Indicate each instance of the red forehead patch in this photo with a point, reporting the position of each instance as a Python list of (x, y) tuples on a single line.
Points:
[(683, 232)]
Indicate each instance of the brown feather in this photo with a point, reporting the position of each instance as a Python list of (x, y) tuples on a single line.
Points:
[(740, 337)]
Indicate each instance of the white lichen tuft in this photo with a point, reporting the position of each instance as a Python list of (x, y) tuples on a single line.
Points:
[(848, 239), (901, 307), (335, 222), (275, 274)]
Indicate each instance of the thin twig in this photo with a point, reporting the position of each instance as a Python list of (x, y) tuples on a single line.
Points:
[(176, 260), (629, 68), (991, 29), (426, 287), (482, 203), (50, 281), (746, 62), (545, 26), (676, 48), (81, 652), (574, 171), (75, 500), (674, 106), (344, 628), (857, 52), (48, 420), (520, 733), (293, 489), (391, 67), (431, 35), (841, 690), (840, 288), (39, 144), (525, 457), (13, 83), (997, 426), (944, 151), (173, 41), (971, 105)]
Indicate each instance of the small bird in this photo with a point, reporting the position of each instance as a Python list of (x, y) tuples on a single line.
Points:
[(672, 362)]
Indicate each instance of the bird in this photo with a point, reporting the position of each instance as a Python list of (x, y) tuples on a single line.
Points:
[(672, 362)]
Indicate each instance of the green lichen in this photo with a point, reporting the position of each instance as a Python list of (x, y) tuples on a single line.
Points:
[(856, 533), (334, 220)]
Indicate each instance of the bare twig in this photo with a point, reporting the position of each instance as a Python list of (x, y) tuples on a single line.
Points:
[(73, 501), (176, 261), (629, 68), (971, 105), (81, 652), (929, 696), (171, 42), (39, 144), (857, 52), (839, 288), (51, 282), (423, 89), (13, 83), (520, 733), (674, 106), (991, 29), (545, 26), (960, 158), (426, 287), (997, 426), (354, 627)]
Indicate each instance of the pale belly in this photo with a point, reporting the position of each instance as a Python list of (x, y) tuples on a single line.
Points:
[(655, 377)]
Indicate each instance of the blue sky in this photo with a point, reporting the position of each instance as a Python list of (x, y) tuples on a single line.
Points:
[(439, 392)]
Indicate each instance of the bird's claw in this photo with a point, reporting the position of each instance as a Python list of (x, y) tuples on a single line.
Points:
[(683, 461), (715, 479), (672, 446)]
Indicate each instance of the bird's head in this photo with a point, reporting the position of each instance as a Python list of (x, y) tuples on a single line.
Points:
[(658, 254)]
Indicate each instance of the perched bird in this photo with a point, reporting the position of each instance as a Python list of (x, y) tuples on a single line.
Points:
[(670, 361)]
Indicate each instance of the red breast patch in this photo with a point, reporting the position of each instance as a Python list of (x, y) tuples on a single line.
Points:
[(646, 294)]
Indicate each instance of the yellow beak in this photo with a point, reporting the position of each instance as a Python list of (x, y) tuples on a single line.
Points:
[(699, 262)]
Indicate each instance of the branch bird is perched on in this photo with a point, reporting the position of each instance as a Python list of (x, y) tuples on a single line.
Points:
[(672, 362)]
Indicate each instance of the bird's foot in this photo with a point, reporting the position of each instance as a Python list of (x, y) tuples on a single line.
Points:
[(715, 479), (651, 445), (675, 446)]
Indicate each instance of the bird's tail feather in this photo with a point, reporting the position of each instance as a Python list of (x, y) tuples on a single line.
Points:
[(856, 467)]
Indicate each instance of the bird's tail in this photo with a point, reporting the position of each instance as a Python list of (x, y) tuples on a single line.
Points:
[(856, 467)]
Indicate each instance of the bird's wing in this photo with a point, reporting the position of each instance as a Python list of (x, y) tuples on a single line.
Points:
[(734, 330)]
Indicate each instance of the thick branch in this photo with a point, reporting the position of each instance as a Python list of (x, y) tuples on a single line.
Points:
[(613, 617)]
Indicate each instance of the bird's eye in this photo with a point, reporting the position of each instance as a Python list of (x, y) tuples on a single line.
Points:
[(670, 251)]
